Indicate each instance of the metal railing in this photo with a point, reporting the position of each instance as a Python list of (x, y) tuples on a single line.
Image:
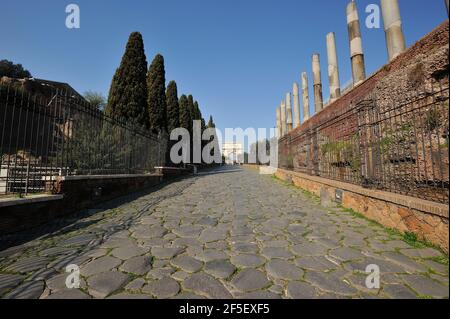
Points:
[(58, 134), (381, 143)]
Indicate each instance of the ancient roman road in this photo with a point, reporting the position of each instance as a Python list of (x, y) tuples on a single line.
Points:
[(229, 233)]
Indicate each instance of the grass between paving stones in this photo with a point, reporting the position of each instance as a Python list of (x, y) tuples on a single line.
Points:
[(419, 296), (84, 289), (306, 233), (408, 237), (416, 242), (441, 259), (361, 216)]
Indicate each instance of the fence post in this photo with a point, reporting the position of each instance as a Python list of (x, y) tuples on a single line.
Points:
[(27, 177), (159, 149), (367, 165), (308, 147), (315, 149)]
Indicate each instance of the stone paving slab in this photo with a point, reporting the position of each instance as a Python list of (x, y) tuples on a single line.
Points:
[(69, 294), (232, 234), (163, 288), (139, 265), (221, 269), (7, 282), (250, 280), (105, 283)]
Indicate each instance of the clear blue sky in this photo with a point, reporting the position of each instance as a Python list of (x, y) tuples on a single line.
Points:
[(238, 58)]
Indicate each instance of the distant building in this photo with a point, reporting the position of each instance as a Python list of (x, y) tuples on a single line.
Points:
[(36, 116), (47, 120), (232, 152), (42, 88), (63, 88)]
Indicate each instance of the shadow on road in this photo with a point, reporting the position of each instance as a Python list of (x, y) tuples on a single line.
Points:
[(74, 221), (221, 170)]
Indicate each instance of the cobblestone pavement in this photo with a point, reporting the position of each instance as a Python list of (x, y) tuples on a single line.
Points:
[(231, 233)]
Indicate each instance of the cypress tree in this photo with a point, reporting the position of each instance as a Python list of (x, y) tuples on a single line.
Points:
[(173, 107), (211, 122), (184, 112), (211, 125), (191, 112), (197, 112), (199, 116), (203, 124), (128, 92), (156, 82)]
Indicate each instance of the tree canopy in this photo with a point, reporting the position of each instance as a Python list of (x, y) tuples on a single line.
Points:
[(128, 93), (211, 123), (11, 70), (138, 93), (185, 116), (156, 82), (173, 107), (95, 99)]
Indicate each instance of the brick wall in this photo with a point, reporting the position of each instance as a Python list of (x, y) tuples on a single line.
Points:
[(405, 105), (421, 64), (395, 104)]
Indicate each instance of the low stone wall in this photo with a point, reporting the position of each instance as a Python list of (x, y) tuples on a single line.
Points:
[(429, 220), (83, 191), (24, 213), (262, 169), (68, 195), (174, 172)]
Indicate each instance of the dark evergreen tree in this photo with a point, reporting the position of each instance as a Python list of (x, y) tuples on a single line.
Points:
[(203, 124), (211, 122), (198, 116), (11, 70), (128, 93), (95, 99), (185, 117), (157, 107), (191, 112), (184, 112), (173, 107), (197, 112)]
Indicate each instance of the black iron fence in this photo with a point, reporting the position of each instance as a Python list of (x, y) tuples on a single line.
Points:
[(381, 143), (59, 134)]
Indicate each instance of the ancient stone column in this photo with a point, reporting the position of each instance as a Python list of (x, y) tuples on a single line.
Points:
[(296, 105), (447, 5), (317, 80), (305, 95), (356, 51), (395, 39), (279, 133), (333, 70), (289, 112), (283, 118)]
